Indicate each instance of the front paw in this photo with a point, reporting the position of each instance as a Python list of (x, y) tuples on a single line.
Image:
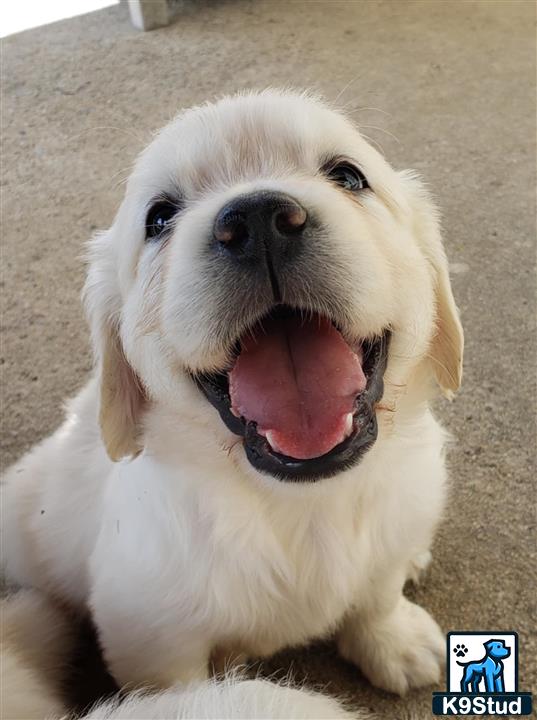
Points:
[(406, 649)]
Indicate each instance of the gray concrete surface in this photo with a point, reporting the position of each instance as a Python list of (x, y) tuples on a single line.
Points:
[(457, 81)]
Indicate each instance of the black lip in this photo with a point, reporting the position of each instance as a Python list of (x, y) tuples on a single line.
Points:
[(343, 456)]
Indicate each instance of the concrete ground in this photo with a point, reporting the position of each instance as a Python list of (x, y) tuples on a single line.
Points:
[(455, 83)]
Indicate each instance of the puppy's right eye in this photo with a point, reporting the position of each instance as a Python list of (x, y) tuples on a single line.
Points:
[(159, 218)]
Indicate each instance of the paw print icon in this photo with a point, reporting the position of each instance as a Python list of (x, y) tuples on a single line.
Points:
[(460, 650)]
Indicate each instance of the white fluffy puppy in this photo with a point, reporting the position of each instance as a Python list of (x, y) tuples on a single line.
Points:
[(255, 463)]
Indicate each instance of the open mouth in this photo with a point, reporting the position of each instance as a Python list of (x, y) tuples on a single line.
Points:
[(302, 398)]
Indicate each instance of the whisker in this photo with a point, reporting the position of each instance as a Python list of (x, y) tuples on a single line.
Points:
[(345, 88), (373, 142), (383, 130), (130, 133)]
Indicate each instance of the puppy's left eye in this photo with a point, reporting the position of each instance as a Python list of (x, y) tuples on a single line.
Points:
[(159, 218), (348, 177)]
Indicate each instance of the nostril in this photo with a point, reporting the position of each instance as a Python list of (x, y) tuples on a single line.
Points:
[(223, 235), (290, 220), (231, 230)]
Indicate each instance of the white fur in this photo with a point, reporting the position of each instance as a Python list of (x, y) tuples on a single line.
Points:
[(231, 698), (185, 550), (37, 642)]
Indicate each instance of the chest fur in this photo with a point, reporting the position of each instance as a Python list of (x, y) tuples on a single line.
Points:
[(272, 583)]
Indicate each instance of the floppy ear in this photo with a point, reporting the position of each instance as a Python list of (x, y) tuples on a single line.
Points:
[(122, 400), (122, 397), (447, 344)]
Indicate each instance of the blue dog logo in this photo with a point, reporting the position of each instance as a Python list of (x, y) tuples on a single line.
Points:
[(489, 669), (488, 686)]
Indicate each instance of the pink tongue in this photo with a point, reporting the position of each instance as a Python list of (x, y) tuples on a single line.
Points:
[(298, 382)]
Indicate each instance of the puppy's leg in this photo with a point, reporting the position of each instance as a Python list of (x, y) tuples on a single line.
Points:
[(144, 642), (153, 629), (153, 658), (396, 643)]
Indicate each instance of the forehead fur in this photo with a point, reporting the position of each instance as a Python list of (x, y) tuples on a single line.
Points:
[(247, 136)]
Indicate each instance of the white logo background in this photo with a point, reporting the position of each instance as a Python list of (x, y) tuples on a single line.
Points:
[(476, 652)]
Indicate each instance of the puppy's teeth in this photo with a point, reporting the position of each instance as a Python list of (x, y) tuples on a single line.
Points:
[(272, 441), (348, 425)]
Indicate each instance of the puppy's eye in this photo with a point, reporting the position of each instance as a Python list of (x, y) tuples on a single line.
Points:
[(348, 177), (159, 218)]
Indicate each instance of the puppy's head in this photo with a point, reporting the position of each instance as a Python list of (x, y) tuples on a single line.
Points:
[(267, 257)]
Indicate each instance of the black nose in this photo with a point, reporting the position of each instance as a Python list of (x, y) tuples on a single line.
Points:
[(264, 227)]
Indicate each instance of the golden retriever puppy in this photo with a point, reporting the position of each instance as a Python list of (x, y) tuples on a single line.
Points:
[(255, 463)]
